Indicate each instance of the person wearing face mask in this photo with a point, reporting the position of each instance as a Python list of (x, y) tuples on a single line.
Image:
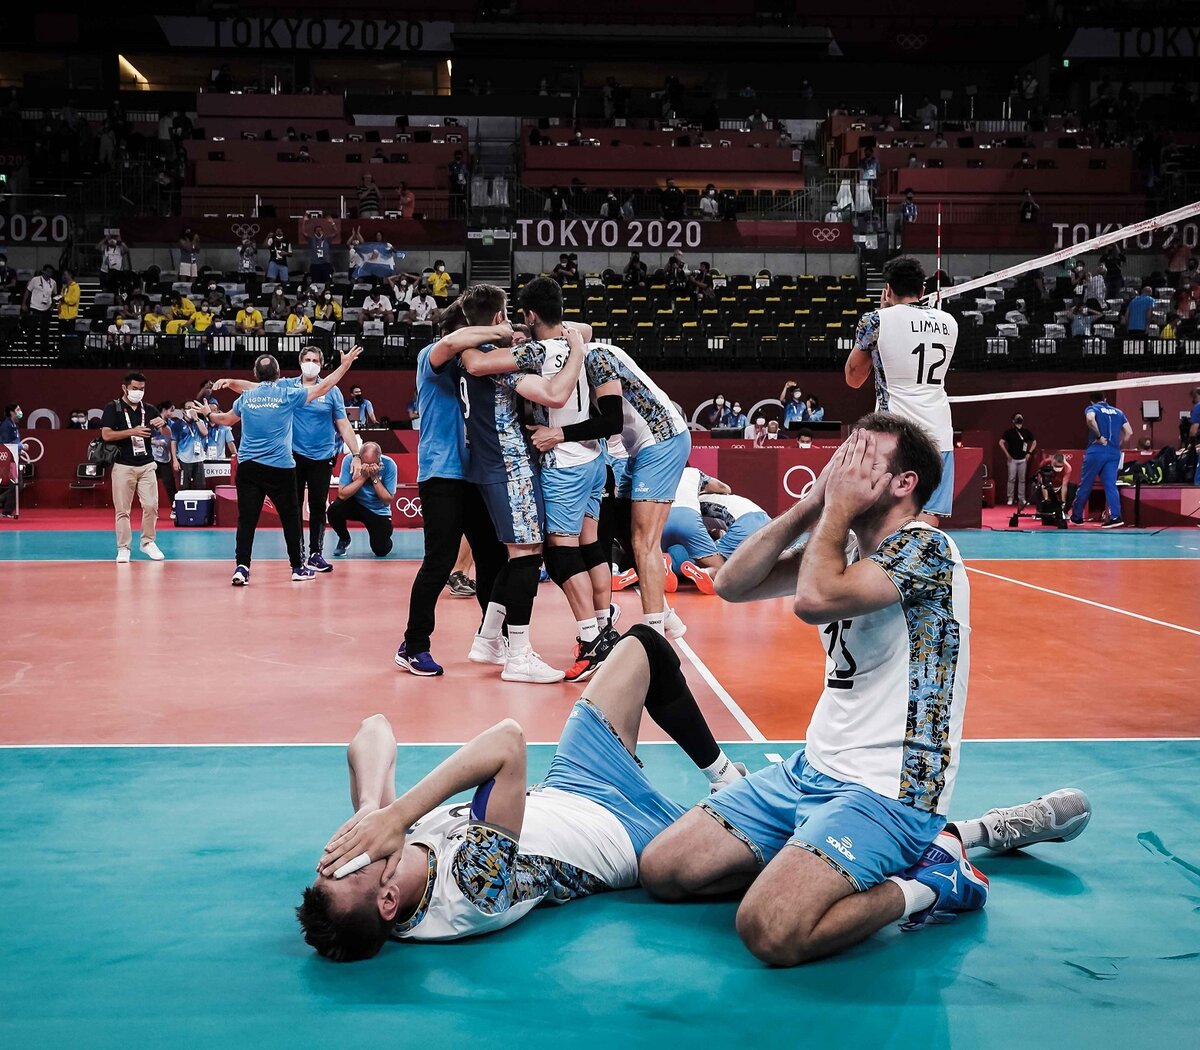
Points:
[(163, 449), (1018, 444), (279, 307), (795, 409), (377, 307), (78, 420), (710, 207), (10, 435), (38, 306), (129, 424), (366, 410), (189, 254), (422, 307), (266, 463), (714, 415), (737, 418), (320, 257), (190, 434), (247, 253), (327, 309), (298, 322), (816, 413), (440, 280), (280, 250)]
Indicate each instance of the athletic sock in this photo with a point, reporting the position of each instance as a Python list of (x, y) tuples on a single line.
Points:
[(669, 701), (655, 621), (602, 618), (518, 639), (589, 630), (972, 832), (917, 896), (493, 620), (722, 771)]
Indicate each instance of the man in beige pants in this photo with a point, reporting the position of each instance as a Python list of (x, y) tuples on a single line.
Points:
[(128, 423)]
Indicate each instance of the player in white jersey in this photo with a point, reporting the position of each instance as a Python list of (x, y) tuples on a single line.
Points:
[(658, 444), (685, 540), (910, 347), (863, 802), (437, 872), (573, 471)]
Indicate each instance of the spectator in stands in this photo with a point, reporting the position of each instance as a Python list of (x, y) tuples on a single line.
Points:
[(1094, 292), (304, 157), (702, 282), (1018, 444), (1083, 316), (785, 140), (914, 161), (729, 205), (114, 262), (804, 438), (189, 254), (440, 281), (627, 211), (249, 320), (320, 252), (1024, 163), (38, 304), (737, 418), (757, 431), (406, 200), (677, 275), (939, 142), (1136, 315), (279, 307), (247, 253), (816, 414), (328, 309), (715, 415), (927, 112), (459, 176), (366, 499), (365, 410), (1171, 328), (1177, 260), (377, 307), (368, 197), (908, 210), (772, 430), (709, 206), (423, 307), (68, 303), (611, 207), (673, 201), (1029, 207), (279, 249), (758, 120), (298, 322), (565, 272), (795, 408), (635, 271), (868, 168)]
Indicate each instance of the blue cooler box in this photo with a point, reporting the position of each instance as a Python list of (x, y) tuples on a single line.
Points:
[(194, 507)]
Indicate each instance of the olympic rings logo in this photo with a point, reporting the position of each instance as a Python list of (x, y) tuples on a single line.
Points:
[(242, 230), (826, 234), (26, 455), (911, 41), (804, 491), (409, 507)]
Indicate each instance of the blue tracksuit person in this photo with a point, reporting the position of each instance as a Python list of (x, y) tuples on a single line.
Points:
[(1108, 429)]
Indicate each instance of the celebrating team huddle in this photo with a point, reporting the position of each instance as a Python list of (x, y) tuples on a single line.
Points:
[(825, 848)]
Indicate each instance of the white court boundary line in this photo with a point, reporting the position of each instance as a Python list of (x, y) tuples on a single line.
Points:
[(1087, 601), (554, 743), (714, 684)]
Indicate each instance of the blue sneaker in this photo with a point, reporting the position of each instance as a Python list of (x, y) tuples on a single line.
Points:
[(958, 885), (340, 550), (318, 564), (419, 664), (241, 577), (302, 573)]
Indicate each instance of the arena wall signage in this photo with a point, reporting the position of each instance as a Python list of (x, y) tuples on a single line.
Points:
[(34, 229), (1163, 239), (1138, 42), (669, 234), (305, 34)]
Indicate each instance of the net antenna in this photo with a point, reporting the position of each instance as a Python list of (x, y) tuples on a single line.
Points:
[(1103, 241)]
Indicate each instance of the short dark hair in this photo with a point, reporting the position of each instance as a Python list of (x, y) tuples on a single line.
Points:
[(133, 377), (482, 302), (1098, 395), (347, 937), (915, 451), (543, 295), (268, 374), (450, 319), (10, 409), (905, 276), (164, 405)]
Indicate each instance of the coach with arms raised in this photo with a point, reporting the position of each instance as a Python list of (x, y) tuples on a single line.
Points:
[(266, 466)]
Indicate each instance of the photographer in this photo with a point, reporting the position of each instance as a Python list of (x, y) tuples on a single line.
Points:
[(187, 447), (367, 499)]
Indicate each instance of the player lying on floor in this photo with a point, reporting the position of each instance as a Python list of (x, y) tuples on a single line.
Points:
[(441, 872), (847, 835)]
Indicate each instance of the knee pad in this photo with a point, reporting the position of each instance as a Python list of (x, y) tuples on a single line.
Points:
[(521, 584), (592, 555), (563, 562), (659, 652)]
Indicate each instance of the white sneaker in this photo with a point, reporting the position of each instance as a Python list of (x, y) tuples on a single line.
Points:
[(673, 626), (529, 667), (489, 650), (152, 552), (123, 556)]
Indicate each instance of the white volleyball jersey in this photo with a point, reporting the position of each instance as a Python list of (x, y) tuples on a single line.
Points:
[(891, 714), (687, 492), (576, 410), (727, 508), (482, 879), (649, 416), (911, 348)]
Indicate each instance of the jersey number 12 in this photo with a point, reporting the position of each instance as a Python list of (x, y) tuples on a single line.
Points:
[(932, 375)]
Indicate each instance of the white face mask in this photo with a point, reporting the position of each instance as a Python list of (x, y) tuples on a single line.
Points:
[(134, 396), (441, 269), (720, 402), (310, 369)]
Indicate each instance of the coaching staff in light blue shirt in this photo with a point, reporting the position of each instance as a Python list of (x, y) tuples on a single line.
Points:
[(266, 466)]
